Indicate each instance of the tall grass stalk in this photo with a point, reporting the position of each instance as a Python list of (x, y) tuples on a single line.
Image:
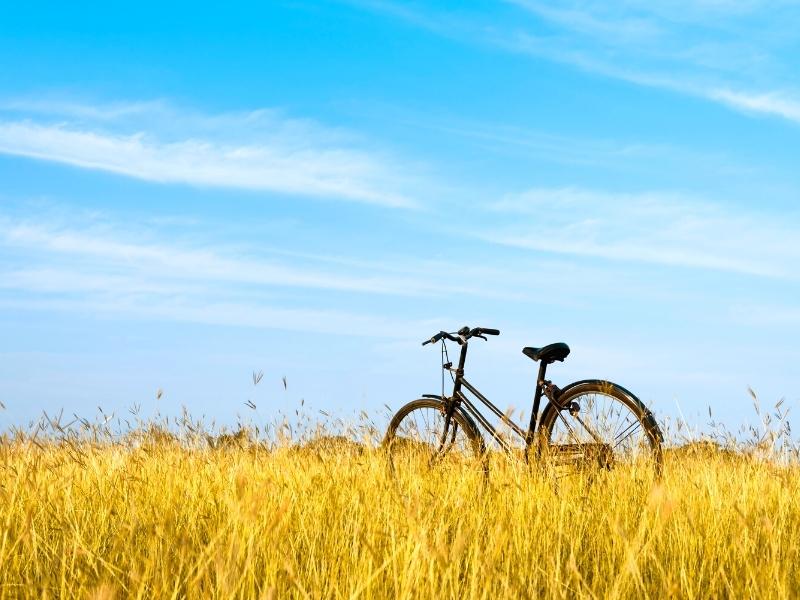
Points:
[(159, 515)]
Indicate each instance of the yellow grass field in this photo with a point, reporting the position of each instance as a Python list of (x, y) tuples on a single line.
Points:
[(160, 520)]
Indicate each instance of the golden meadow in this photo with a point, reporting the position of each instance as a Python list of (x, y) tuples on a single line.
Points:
[(165, 512)]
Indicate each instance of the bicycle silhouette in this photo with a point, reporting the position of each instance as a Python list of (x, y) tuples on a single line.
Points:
[(587, 425)]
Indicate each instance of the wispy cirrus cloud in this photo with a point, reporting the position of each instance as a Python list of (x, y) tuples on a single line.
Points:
[(729, 53), (655, 227), (95, 265), (770, 103), (105, 271), (258, 150), (69, 258), (232, 313)]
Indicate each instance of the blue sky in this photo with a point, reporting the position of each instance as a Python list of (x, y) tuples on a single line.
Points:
[(190, 193)]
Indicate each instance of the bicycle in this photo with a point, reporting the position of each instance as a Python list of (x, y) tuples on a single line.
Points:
[(588, 425)]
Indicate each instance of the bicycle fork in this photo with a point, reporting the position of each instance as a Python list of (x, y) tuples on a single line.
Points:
[(452, 403), (448, 410)]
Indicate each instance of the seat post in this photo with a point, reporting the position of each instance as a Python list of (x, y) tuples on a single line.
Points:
[(537, 399)]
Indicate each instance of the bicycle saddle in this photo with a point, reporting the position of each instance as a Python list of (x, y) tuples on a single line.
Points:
[(549, 353)]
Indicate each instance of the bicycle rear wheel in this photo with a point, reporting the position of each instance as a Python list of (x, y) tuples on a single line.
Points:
[(427, 450), (600, 426)]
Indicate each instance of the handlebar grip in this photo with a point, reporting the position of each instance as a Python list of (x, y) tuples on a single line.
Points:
[(436, 338), (432, 340), (489, 331)]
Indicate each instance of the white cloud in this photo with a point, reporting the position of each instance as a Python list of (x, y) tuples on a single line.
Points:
[(74, 109), (98, 266), (656, 228), (730, 53), (95, 271), (89, 264), (68, 257), (772, 103), (105, 256), (258, 150), (577, 18), (232, 313), (688, 52)]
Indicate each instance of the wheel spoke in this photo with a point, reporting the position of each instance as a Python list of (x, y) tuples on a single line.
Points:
[(609, 429), (588, 429), (619, 427), (635, 426), (424, 447)]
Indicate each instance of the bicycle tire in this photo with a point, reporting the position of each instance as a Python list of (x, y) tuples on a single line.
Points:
[(624, 424), (414, 435)]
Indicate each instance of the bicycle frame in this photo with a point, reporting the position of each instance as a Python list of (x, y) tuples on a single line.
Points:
[(461, 399), (584, 446)]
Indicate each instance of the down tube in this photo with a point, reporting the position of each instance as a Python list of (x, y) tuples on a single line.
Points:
[(493, 408), (482, 420)]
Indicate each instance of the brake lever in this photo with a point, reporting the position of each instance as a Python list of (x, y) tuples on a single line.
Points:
[(480, 336)]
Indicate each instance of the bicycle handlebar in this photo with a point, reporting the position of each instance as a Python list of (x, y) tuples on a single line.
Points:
[(463, 335), (488, 331), (440, 335)]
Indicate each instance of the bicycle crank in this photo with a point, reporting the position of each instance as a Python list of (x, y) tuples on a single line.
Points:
[(583, 455)]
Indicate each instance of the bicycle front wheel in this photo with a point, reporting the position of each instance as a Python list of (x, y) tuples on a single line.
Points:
[(428, 449), (599, 424)]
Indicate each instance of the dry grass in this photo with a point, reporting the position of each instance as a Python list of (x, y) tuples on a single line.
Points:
[(157, 517)]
